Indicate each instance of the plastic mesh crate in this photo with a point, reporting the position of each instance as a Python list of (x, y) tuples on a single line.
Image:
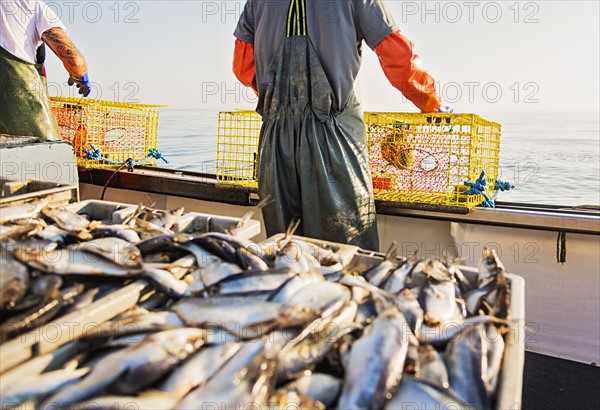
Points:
[(418, 158), (237, 147), (426, 158), (118, 130)]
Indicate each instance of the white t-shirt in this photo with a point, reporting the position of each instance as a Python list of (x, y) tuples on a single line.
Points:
[(22, 23)]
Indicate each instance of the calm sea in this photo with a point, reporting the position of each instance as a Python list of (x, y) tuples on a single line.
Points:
[(551, 158)]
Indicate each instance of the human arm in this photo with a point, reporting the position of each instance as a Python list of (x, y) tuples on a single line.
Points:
[(74, 62), (405, 71), (60, 43), (243, 64)]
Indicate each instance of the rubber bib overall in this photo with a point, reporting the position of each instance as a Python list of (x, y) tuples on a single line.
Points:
[(24, 104), (313, 158)]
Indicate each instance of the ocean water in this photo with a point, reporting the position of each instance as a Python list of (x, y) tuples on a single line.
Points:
[(551, 158)]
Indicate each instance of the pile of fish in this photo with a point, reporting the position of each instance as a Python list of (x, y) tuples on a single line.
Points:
[(229, 323)]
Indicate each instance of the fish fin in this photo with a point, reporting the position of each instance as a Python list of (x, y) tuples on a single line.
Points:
[(392, 252), (246, 217), (294, 224), (289, 232)]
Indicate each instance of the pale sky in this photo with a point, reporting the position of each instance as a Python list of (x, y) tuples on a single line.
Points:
[(486, 56)]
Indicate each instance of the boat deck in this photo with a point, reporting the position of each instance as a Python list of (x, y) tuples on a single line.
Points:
[(551, 383)]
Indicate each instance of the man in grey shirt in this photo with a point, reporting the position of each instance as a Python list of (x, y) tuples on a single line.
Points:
[(302, 57)]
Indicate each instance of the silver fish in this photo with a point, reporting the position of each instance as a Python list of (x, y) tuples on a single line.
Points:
[(38, 386), (432, 368), (40, 364), (47, 286), (291, 399), (440, 335), (367, 311), (53, 233), (423, 396), (242, 382), (298, 356), (116, 250), (199, 369), (464, 285), (134, 367), (20, 228), (250, 260), (495, 354), (70, 261), (293, 285), (438, 300), (254, 254), (321, 387), (39, 315), (214, 274), (502, 301), (240, 316), (376, 363), (166, 219), (69, 221), (396, 281), (148, 400), (324, 254), (437, 271), (204, 258), (116, 231), (416, 278), (166, 282), (14, 281), (405, 301), (249, 282), (296, 259), (328, 298), (27, 210), (474, 299), (466, 360), (490, 267), (148, 230), (86, 299), (379, 273), (137, 323)]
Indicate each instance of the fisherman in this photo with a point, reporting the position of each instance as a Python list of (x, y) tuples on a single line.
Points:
[(25, 25), (302, 57)]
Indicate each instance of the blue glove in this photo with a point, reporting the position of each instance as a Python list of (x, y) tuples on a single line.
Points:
[(444, 109), (82, 83)]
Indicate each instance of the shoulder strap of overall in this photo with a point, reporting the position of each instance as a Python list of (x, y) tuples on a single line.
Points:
[(296, 23)]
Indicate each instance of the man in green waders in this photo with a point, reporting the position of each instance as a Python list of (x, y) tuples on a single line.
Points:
[(25, 25), (302, 58)]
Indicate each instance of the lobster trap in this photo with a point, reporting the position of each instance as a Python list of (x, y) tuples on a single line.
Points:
[(107, 133), (415, 158), (426, 158), (237, 147)]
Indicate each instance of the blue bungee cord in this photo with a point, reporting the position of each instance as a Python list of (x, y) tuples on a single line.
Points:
[(479, 187), (95, 154)]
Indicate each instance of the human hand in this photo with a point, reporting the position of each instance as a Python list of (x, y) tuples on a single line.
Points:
[(82, 83)]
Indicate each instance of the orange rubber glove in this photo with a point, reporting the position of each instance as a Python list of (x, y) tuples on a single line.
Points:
[(243, 64), (404, 70)]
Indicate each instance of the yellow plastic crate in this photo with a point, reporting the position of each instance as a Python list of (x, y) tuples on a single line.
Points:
[(417, 158), (237, 147), (426, 158), (115, 131)]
